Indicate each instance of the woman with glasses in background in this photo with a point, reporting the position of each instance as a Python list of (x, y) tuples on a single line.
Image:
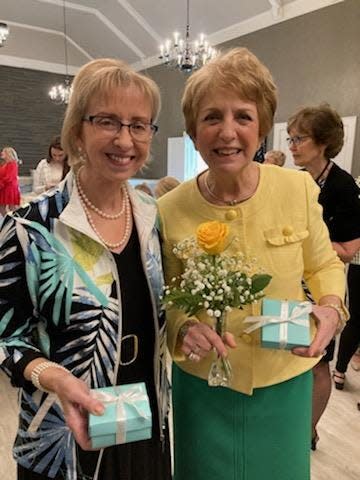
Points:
[(80, 280), (316, 137)]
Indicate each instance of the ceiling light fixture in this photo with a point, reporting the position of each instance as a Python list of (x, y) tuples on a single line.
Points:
[(183, 54), (60, 93), (4, 33)]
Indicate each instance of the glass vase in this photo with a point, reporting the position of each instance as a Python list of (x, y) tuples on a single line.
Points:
[(220, 372)]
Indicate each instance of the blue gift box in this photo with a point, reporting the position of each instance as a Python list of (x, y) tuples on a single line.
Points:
[(127, 416), (290, 334)]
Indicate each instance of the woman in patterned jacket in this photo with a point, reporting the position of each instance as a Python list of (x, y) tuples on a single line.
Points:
[(80, 279)]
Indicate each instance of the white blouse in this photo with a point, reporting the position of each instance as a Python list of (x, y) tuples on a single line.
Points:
[(47, 175)]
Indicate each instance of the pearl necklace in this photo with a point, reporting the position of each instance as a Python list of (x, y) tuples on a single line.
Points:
[(230, 203), (111, 246), (97, 210)]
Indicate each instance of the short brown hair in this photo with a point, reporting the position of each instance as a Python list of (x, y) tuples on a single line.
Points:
[(101, 77), (238, 71), (323, 124)]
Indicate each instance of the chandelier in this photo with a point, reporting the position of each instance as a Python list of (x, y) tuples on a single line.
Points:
[(183, 54), (4, 33), (60, 94)]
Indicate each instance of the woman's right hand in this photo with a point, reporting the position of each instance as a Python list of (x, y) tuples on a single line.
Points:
[(76, 402), (200, 339)]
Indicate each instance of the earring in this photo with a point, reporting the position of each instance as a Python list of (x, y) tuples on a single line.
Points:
[(82, 155)]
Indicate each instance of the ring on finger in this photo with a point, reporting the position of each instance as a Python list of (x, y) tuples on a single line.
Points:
[(193, 357), (196, 350)]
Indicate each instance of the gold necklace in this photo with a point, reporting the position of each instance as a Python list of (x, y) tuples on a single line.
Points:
[(230, 203), (97, 210)]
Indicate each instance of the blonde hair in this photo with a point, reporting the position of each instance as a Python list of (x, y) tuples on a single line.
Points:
[(237, 71), (12, 154), (100, 78), (164, 185), (276, 157), (144, 187)]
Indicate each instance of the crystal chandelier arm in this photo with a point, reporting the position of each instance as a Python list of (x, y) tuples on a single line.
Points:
[(4, 32)]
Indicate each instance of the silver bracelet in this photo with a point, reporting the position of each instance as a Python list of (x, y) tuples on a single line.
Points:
[(37, 371)]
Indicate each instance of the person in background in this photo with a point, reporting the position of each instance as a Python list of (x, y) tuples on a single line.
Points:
[(316, 135), (350, 336), (165, 185), (80, 281), (9, 180), (51, 170), (275, 157), (355, 360), (144, 187), (259, 427)]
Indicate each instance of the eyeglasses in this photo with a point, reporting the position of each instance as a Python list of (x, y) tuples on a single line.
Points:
[(297, 140), (139, 131)]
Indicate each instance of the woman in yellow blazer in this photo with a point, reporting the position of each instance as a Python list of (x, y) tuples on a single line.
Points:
[(259, 427)]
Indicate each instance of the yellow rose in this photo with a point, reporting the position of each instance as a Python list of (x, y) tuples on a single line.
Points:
[(211, 236)]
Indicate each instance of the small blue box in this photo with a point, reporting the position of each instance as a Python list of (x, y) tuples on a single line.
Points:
[(296, 335), (137, 424)]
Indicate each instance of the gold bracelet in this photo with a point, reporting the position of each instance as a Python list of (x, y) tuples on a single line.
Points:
[(37, 371), (340, 310)]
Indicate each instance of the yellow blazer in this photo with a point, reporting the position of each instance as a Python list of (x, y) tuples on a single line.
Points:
[(281, 226)]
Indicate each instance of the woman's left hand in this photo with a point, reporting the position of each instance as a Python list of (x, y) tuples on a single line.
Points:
[(327, 321)]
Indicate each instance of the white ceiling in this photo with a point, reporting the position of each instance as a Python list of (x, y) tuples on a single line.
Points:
[(128, 29)]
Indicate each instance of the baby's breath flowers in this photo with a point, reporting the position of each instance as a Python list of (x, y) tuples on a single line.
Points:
[(214, 282)]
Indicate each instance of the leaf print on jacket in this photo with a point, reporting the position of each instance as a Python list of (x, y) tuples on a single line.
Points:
[(94, 331), (59, 299), (48, 444), (87, 253)]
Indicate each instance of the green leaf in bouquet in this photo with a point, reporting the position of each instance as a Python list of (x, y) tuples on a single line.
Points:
[(260, 281), (184, 300)]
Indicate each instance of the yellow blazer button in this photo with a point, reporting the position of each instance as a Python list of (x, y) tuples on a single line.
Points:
[(288, 230), (246, 337), (231, 214)]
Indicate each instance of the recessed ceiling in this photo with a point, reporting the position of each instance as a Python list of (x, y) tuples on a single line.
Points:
[(128, 29)]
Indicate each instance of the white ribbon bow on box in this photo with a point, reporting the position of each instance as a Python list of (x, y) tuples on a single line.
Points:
[(283, 320), (129, 397)]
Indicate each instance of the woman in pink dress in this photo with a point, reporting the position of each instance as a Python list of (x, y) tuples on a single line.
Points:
[(9, 181)]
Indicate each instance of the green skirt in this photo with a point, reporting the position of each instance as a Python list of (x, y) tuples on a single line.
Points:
[(220, 434)]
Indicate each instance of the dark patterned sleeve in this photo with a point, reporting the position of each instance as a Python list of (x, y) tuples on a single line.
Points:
[(17, 321)]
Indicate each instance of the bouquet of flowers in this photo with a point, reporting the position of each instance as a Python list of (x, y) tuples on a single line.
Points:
[(214, 282), (357, 181)]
